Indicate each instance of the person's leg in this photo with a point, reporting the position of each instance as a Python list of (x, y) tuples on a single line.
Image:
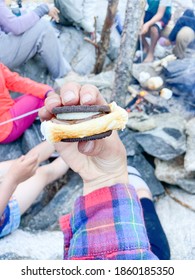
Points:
[(23, 104), (184, 37), (28, 191), (189, 13), (182, 22), (40, 39), (154, 37), (156, 235)]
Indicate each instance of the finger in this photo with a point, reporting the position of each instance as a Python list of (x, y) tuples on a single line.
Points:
[(44, 115), (90, 95), (103, 148), (70, 94), (22, 158), (52, 101), (32, 159)]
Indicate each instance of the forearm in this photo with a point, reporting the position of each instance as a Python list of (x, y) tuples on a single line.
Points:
[(6, 190), (111, 226), (18, 25), (15, 82), (157, 17)]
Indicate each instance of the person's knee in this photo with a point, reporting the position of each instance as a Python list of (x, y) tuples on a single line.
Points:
[(185, 36), (43, 26), (189, 13), (154, 31)]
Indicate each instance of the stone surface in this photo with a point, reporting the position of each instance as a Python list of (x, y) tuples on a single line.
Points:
[(136, 159), (26, 142), (47, 245), (173, 172), (178, 223), (189, 160), (147, 172), (61, 204), (161, 144)]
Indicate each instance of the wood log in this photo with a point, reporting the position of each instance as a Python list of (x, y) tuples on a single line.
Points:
[(132, 25)]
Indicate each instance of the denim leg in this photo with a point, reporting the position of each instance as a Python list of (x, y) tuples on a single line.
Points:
[(182, 22), (157, 238)]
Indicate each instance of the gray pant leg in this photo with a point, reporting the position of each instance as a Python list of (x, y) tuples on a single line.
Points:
[(41, 39), (184, 37)]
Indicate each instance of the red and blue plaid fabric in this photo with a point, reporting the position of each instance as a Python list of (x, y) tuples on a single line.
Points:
[(106, 224)]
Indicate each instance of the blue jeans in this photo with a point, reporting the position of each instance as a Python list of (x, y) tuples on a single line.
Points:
[(156, 235), (188, 20)]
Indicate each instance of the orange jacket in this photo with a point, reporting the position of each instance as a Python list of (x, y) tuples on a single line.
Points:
[(12, 81)]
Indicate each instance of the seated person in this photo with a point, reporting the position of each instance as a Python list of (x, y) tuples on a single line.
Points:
[(80, 13), (182, 34), (21, 37), (157, 16), (32, 100), (22, 180), (107, 221)]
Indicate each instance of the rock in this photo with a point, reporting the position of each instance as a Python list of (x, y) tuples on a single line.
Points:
[(189, 160), (137, 160), (143, 68), (128, 138), (147, 171), (178, 223), (31, 137), (61, 204), (173, 172), (47, 245), (180, 74), (140, 121), (165, 144), (164, 135), (102, 80), (12, 256), (10, 151)]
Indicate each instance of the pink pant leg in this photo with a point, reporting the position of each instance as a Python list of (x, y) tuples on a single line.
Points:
[(23, 104)]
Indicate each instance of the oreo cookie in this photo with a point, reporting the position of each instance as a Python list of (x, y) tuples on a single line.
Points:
[(81, 109), (89, 138)]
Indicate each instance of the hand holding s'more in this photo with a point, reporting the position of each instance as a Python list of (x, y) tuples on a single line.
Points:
[(83, 128)]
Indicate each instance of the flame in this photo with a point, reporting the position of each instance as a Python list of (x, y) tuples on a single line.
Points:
[(143, 93)]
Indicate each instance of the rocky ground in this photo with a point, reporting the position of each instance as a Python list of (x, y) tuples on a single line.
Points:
[(167, 163)]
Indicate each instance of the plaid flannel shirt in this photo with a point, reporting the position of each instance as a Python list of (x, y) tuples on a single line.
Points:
[(106, 224)]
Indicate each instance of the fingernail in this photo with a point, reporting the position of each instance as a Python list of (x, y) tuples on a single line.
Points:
[(68, 96), (52, 101), (89, 146), (86, 98)]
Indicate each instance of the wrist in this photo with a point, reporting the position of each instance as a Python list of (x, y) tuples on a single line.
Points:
[(105, 180)]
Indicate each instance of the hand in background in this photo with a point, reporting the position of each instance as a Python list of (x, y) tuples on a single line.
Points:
[(101, 162), (53, 13), (145, 29), (23, 168)]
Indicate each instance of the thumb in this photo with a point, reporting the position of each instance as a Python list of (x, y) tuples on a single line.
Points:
[(90, 148)]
